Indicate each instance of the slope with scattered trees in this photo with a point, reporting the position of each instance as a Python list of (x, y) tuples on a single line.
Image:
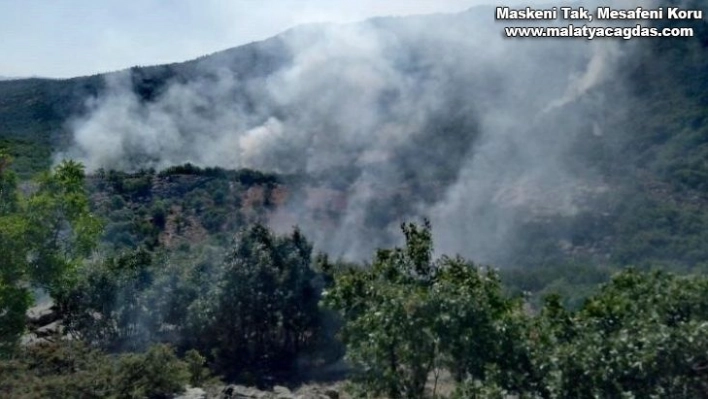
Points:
[(163, 279)]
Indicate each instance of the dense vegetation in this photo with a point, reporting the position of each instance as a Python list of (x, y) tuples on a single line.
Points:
[(252, 310), (251, 315), (73, 370), (410, 318), (163, 279), (180, 205)]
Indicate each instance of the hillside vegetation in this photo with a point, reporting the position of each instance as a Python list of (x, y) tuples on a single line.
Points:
[(251, 315), (198, 276), (648, 210)]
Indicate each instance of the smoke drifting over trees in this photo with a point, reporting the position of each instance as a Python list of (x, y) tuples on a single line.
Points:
[(436, 116), (561, 162)]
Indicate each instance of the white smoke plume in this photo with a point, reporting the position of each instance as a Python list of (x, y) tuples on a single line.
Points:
[(437, 116)]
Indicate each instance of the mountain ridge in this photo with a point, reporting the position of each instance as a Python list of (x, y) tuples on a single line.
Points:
[(317, 101)]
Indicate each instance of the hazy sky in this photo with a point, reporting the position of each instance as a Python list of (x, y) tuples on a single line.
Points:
[(64, 38)]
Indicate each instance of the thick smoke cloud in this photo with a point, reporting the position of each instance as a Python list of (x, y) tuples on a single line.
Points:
[(436, 116)]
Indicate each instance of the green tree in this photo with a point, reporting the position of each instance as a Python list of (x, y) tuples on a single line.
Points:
[(262, 311), (111, 305), (44, 236), (61, 230), (408, 316), (14, 299), (643, 335)]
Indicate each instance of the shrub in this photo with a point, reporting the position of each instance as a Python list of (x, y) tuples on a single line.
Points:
[(158, 374), (70, 369)]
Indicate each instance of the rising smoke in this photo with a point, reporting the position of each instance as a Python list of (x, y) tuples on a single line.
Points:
[(436, 116)]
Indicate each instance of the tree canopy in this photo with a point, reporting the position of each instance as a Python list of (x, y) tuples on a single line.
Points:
[(46, 231)]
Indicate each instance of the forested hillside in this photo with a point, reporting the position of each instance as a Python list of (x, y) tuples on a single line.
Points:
[(415, 205), (633, 191)]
